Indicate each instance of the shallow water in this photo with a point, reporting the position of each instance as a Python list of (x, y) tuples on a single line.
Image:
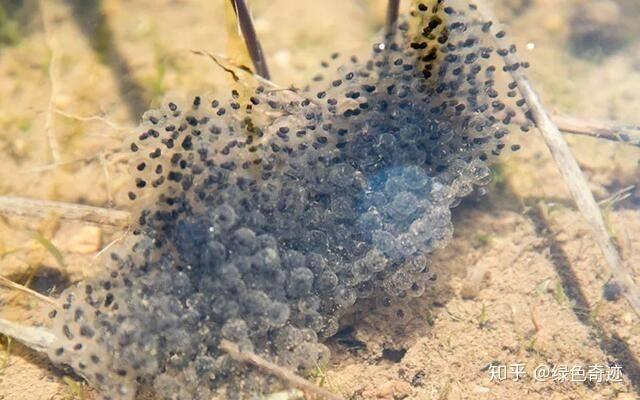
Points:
[(512, 288)]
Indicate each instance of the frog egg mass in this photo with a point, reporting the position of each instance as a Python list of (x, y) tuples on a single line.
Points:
[(263, 218)]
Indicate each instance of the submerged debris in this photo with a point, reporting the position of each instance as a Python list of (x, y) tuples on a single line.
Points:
[(263, 220), (598, 28)]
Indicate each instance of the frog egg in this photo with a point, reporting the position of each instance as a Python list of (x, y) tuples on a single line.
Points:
[(300, 282), (415, 178), (405, 203), (344, 296), (375, 261), (417, 289), (384, 241)]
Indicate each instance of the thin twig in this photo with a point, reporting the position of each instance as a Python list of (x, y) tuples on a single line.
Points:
[(98, 118), (234, 70), (251, 38), (16, 286), (49, 119), (610, 130), (113, 156), (393, 9), (24, 207), (251, 358), (569, 168), (112, 243), (618, 196), (107, 177)]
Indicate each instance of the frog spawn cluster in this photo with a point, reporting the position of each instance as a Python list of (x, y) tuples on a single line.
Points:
[(263, 219)]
